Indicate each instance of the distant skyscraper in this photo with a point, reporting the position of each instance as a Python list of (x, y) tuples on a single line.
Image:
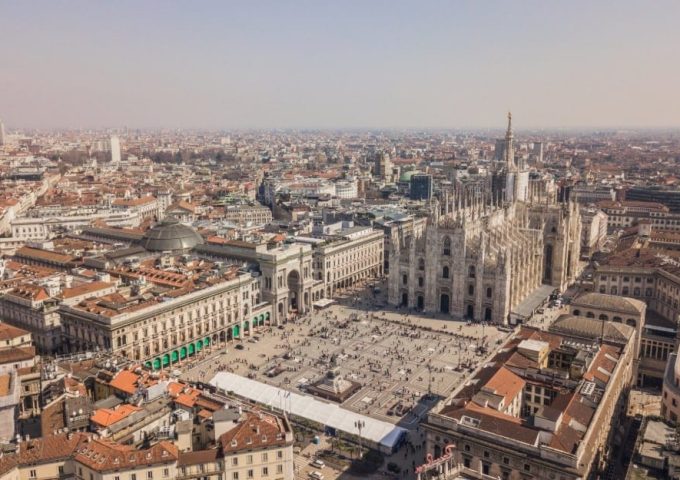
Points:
[(115, 149), (2, 133), (383, 166), (538, 151), (499, 152), (421, 186)]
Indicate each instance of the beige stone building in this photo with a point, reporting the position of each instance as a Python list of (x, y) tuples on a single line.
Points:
[(631, 312), (570, 389), (163, 330), (342, 260), (258, 446), (652, 278), (670, 396)]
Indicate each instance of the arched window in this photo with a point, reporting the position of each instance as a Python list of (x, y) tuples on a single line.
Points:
[(617, 319), (577, 312), (590, 315), (447, 247), (404, 279), (471, 289), (488, 292), (421, 281), (421, 264), (631, 322), (604, 317), (471, 271), (445, 272)]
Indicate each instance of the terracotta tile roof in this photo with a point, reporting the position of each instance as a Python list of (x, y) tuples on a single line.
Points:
[(497, 423), (9, 332), (134, 202), (103, 455), (30, 292), (49, 448), (198, 457), (84, 289), (258, 430), (106, 417), (47, 255), (506, 384), (125, 381), (16, 354)]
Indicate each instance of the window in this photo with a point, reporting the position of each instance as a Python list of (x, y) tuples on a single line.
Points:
[(166, 472), (447, 247), (471, 271), (404, 279), (149, 474), (488, 292), (33, 474), (471, 289), (265, 471), (251, 474), (445, 272), (249, 459), (506, 461), (486, 454), (133, 476), (527, 467), (466, 462), (486, 468), (235, 476), (421, 281), (234, 461), (467, 447), (265, 457), (279, 454), (421, 264)]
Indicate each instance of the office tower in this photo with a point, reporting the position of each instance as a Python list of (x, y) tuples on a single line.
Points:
[(538, 151), (383, 166), (499, 152), (2, 133), (115, 149), (421, 186)]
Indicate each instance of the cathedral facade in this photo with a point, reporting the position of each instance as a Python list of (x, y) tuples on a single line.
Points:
[(482, 254)]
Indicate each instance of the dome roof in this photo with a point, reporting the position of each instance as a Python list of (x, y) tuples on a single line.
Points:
[(170, 235), (406, 176)]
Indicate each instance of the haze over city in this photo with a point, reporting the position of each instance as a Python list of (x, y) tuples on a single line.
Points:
[(349, 64)]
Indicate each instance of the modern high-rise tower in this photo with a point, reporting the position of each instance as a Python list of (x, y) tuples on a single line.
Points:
[(2, 133), (115, 149)]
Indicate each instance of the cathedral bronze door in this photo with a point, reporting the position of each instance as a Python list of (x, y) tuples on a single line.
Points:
[(444, 304)]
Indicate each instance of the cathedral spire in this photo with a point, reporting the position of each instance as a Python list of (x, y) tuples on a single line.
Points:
[(509, 150)]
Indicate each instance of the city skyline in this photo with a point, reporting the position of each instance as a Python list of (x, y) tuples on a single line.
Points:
[(306, 65)]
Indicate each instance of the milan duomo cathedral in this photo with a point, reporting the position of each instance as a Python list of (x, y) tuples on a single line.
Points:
[(483, 251)]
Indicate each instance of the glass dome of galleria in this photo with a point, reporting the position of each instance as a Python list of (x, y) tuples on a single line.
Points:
[(170, 235)]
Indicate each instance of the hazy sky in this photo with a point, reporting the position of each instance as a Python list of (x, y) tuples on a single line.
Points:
[(287, 63)]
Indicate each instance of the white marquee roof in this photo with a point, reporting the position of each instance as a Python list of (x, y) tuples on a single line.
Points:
[(379, 432)]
